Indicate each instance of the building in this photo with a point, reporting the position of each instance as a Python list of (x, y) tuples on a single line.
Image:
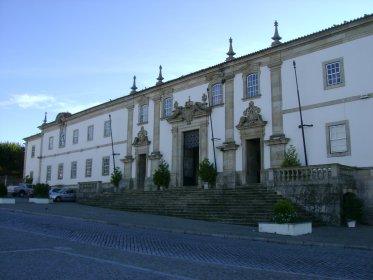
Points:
[(242, 114)]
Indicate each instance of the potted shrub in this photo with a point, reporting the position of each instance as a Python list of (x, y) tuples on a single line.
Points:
[(162, 176), (207, 173), (3, 196), (352, 209), (285, 221), (116, 176), (41, 194)]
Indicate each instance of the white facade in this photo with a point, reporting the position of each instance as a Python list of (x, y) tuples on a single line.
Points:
[(345, 108)]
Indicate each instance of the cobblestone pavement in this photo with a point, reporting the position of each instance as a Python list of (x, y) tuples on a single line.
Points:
[(314, 262)]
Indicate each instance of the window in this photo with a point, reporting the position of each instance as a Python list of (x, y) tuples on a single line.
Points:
[(252, 85), (75, 136), (90, 133), (338, 139), (105, 166), (62, 136), (143, 114), (73, 170), (167, 107), (333, 73), (60, 171), (88, 168), (217, 94), (33, 151), (50, 143), (49, 173), (107, 129)]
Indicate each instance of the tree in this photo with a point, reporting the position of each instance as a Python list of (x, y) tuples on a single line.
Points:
[(11, 159), (116, 176), (162, 176), (291, 158), (207, 172)]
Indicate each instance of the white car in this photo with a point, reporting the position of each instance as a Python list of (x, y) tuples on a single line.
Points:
[(63, 195)]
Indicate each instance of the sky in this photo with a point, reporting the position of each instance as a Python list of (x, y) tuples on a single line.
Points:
[(69, 55)]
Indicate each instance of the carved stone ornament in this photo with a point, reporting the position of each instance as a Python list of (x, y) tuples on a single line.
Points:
[(190, 111), (142, 138), (251, 117)]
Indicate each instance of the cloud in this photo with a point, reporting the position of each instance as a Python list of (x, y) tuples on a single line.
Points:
[(46, 103)]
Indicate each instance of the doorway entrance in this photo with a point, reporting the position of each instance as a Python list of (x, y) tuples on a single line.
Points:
[(141, 171), (190, 157), (253, 160)]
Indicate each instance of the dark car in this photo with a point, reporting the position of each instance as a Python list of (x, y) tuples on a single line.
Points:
[(63, 195)]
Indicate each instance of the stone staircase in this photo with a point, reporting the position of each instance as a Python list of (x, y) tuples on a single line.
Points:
[(245, 206)]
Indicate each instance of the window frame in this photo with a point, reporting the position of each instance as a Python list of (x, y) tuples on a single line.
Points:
[(60, 171), (50, 142), (75, 136), (107, 129), (48, 175), (88, 167), (90, 131), (62, 137), (33, 150), (341, 73), (143, 114), (328, 127), (254, 68), (167, 108), (220, 94), (73, 169), (106, 166)]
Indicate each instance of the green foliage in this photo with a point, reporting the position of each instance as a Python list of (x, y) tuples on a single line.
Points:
[(352, 208), (11, 159), (284, 212), (291, 158), (41, 191), (28, 179), (207, 171), (3, 190), (116, 176), (162, 176)]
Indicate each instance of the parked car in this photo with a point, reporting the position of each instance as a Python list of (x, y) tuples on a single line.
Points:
[(21, 190), (63, 195), (55, 189)]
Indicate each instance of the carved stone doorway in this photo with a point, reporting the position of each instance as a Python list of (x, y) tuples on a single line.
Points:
[(190, 158), (141, 171), (253, 161)]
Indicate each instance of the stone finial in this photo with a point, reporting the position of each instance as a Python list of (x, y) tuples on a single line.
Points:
[(160, 78), (45, 118), (230, 53), (276, 38), (134, 87)]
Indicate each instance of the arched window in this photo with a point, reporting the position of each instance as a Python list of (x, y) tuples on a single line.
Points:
[(216, 94), (252, 85), (143, 114), (167, 107)]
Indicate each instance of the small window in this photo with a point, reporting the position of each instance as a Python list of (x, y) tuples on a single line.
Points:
[(167, 107), (143, 114), (333, 73), (50, 143), (90, 133), (33, 151), (107, 129), (252, 85), (217, 94), (60, 171), (49, 173), (338, 139), (73, 170), (88, 168), (75, 136), (105, 166)]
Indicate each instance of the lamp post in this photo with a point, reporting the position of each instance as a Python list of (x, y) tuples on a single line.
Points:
[(112, 143), (212, 129), (301, 118)]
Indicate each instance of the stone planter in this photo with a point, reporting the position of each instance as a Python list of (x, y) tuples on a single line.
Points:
[(6, 200), (286, 229), (206, 185), (40, 200)]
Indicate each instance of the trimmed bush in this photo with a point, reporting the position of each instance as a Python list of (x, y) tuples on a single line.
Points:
[(291, 158), (352, 208), (207, 172), (162, 176), (41, 191), (284, 212), (116, 176)]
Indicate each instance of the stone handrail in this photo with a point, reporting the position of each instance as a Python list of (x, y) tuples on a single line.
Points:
[(326, 173)]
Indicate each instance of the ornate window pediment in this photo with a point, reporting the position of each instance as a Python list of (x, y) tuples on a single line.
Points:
[(190, 111), (251, 117)]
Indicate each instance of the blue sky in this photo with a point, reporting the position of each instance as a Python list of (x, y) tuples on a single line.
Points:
[(69, 55)]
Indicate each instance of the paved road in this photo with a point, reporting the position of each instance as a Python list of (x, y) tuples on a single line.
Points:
[(51, 247)]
